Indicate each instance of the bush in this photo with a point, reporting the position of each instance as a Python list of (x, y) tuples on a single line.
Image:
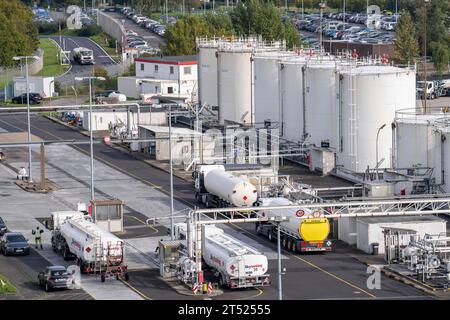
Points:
[(111, 42), (47, 28), (58, 87), (89, 31)]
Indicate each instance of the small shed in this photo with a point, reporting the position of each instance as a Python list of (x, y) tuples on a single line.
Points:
[(182, 142)]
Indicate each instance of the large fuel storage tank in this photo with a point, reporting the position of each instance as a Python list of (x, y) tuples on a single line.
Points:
[(207, 72), (369, 98), (267, 86), (234, 81), (291, 98), (320, 105)]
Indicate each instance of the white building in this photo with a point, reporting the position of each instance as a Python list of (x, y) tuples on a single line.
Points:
[(134, 87), (104, 120), (180, 71)]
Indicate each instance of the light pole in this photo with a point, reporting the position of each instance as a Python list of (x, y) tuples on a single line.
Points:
[(378, 133), (425, 85), (90, 128), (172, 233), (322, 6), (20, 58)]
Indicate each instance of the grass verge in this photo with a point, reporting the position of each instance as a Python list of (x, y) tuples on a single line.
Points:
[(52, 66), (5, 286)]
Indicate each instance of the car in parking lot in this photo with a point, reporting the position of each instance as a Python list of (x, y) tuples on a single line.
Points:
[(3, 227), (34, 98), (55, 277), (14, 243), (137, 43)]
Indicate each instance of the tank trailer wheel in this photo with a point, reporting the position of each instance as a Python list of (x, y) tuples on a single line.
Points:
[(127, 276), (102, 278)]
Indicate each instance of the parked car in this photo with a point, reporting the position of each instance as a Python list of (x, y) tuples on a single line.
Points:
[(137, 43), (34, 98), (14, 243), (55, 277), (105, 93), (3, 227)]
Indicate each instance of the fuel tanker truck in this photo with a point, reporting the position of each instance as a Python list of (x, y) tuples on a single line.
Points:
[(215, 187), (304, 232), (96, 251), (236, 265)]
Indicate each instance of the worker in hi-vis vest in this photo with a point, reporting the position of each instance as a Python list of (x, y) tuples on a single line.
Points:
[(37, 236)]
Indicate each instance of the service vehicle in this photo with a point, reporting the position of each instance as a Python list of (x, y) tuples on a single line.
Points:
[(236, 264), (304, 232), (96, 251), (215, 187), (83, 55)]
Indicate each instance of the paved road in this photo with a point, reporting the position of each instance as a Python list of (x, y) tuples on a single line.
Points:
[(77, 70), (153, 40), (22, 272), (333, 275)]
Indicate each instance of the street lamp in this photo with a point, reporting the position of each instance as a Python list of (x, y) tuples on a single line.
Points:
[(378, 133), (322, 6), (425, 85), (278, 220), (172, 232), (20, 58), (90, 127)]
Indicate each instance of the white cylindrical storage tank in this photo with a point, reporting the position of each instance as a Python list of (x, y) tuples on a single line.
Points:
[(207, 73), (266, 88), (320, 96), (370, 95), (292, 99), (234, 80), (237, 191), (267, 85)]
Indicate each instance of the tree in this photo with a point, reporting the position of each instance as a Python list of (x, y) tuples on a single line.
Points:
[(441, 57), (18, 33), (263, 19), (406, 45)]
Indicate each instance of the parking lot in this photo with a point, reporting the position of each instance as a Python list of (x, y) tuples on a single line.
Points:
[(350, 27)]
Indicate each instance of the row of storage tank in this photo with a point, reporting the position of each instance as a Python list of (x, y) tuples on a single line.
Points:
[(323, 100)]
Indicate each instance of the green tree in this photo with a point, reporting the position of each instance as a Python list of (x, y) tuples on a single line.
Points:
[(181, 36), (255, 17), (405, 45), (18, 34), (441, 56)]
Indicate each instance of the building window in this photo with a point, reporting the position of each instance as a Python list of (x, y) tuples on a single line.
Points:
[(171, 70), (187, 70), (169, 89), (142, 67), (156, 68)]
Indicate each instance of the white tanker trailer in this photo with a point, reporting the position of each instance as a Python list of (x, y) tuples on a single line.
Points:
[(96, 250), (236, 264), (304, 232), (215, 187)]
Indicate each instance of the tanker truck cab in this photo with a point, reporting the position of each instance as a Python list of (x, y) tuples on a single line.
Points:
[(304, 232), (216, 187)]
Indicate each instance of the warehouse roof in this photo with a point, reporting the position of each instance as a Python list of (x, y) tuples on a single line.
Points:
[(175, 130), (176, 60), (401, 219)]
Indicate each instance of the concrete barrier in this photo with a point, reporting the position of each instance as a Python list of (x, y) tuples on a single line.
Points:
[(111, 27), (8, 74)]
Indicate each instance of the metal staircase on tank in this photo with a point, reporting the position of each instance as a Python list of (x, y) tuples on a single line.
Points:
[(352, 119)]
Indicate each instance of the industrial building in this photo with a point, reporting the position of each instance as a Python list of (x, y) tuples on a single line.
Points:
[(337, 103), (421, 141), (45, 86), (168, 76)]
